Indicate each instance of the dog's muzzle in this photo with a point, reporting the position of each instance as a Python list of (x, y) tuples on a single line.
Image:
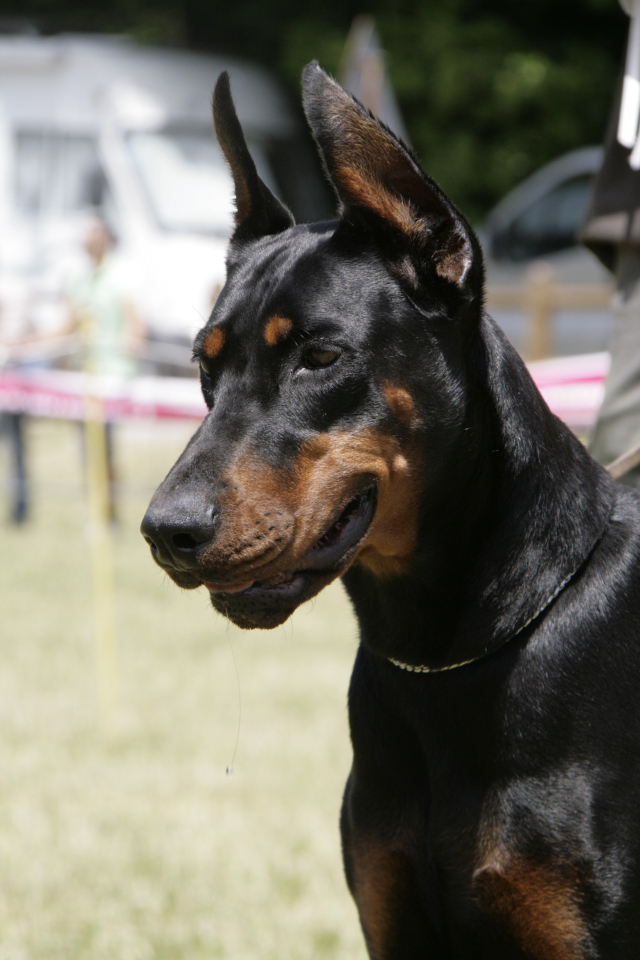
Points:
[(180, 538)]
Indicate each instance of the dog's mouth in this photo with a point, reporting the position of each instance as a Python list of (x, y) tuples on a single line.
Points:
[(326, 559)]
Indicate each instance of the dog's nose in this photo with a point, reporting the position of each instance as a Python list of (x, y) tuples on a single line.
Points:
[(174, 531)]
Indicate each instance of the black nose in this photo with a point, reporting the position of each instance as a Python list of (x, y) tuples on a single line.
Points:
[(174, 530)]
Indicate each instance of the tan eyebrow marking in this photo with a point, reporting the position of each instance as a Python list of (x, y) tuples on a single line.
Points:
[(279, 522), (276, 329), (213, 343), (401, 403)]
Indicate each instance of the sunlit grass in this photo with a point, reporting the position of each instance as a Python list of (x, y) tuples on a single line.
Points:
[(140, 846)]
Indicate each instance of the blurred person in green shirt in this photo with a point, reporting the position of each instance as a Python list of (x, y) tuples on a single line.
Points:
[(102, 311)]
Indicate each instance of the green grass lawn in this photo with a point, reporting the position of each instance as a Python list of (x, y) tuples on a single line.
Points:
[(139, 846)]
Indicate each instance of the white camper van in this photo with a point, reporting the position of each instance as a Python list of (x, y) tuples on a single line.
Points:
[(94, 124)]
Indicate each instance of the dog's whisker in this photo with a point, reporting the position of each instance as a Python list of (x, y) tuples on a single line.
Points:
[(230, 769)]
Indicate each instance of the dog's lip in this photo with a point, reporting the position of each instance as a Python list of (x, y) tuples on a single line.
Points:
[(338, 540), (227, 588), (343, 534)]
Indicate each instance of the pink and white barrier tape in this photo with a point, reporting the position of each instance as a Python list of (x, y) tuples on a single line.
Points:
[(572, 386), (60, 394)]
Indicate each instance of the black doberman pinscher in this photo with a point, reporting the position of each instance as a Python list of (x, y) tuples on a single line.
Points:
[(367, 420)]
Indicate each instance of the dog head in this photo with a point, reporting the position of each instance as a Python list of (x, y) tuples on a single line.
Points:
[(334, 368)]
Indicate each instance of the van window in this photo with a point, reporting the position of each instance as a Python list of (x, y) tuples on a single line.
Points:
[(57, 173), (549, 224), (187, 180)]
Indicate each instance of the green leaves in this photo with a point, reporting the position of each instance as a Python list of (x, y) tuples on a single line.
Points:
[(490, 91)]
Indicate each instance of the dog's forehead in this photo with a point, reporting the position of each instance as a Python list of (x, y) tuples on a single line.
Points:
[(301, 276)]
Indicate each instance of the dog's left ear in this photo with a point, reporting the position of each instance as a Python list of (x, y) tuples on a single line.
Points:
[(374, 173), (258, 212)]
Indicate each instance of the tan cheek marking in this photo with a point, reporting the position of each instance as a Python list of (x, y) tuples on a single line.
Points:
[(213, 343), (281, 514), (538, 904), (401, 403), (343, 461), (276, 329), (257, 523)]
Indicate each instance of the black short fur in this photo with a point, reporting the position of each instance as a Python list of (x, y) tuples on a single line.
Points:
[(493, 809)]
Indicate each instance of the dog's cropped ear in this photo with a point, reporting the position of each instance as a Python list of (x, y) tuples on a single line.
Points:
[(374, 173), (258, 212)]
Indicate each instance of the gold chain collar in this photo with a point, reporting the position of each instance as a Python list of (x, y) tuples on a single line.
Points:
[(454, 666)]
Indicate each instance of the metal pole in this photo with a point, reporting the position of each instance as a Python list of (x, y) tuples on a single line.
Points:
[(102, 557)]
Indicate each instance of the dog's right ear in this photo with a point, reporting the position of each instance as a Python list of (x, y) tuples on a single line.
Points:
[(258, 212)]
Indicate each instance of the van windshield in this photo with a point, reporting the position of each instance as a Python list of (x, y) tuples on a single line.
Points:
[(187, 180), (57, 172)]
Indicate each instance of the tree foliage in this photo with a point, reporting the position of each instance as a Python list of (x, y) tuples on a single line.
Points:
[(489, 89)]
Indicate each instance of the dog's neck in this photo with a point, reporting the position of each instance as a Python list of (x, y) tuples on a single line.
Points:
[(519, 514)]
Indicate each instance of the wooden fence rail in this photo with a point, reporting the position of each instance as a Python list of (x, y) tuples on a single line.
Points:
[(540, 297)]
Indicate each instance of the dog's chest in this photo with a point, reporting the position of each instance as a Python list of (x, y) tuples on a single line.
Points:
[(499, 872)]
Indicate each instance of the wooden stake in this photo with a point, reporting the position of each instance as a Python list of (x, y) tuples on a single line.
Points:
[(102, 559), (540, 299)]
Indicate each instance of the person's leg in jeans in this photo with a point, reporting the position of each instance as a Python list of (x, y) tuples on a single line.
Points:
[(618, 425)]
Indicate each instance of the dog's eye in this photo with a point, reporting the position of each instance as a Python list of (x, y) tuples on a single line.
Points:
[(205, 367), (320, 357)]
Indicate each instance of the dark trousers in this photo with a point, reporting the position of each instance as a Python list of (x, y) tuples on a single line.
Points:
[(14, 424)]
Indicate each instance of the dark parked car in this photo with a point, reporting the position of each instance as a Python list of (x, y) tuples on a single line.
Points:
[(541, 220)]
